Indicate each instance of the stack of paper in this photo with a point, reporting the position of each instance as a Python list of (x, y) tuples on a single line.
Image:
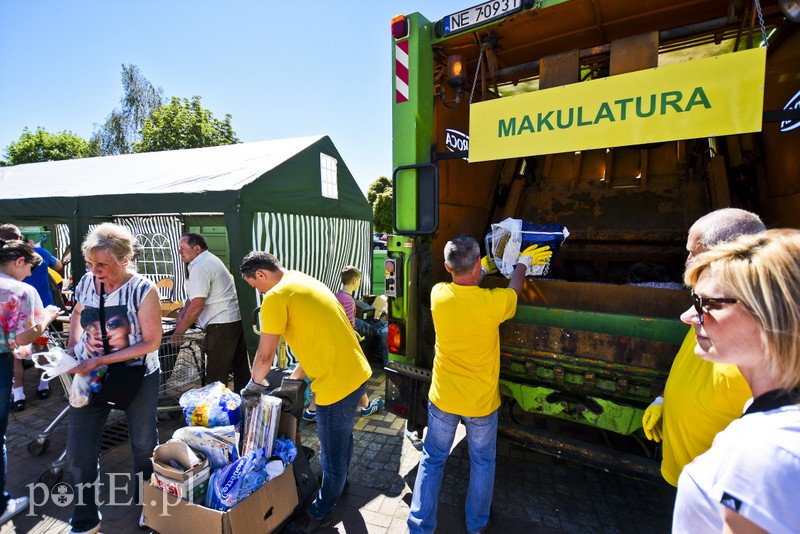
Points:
[(262, 425)]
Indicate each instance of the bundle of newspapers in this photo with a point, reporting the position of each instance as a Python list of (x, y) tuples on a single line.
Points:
[(262, 425)]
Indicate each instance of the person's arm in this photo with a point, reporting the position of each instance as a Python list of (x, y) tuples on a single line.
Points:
[(735, 523), (149, 315), (518, 277), (265, 354), (32, 334), (188, 315)]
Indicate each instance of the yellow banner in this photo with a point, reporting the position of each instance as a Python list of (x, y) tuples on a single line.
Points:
[(702, 98)]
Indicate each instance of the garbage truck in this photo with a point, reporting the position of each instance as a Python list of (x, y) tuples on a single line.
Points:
[(622, 121)]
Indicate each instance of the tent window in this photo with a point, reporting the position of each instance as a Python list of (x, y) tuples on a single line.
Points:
[(155, 261), (327, 168)]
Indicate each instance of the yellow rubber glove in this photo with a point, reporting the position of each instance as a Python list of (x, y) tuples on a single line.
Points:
[(488, 265), (651, 421), (539, 255)]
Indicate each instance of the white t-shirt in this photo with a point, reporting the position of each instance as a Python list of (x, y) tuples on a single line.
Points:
[(211, 280), (121, 309), (753, 468)]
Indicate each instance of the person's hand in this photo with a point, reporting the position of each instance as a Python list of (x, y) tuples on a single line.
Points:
[(487, 265), (175, 340), (539, 255), (24, 352), (85, 367), (51, 312), (651, 421), (251, 393)]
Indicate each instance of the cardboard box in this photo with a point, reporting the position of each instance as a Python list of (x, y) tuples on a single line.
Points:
[(261, 513), (190, 484)]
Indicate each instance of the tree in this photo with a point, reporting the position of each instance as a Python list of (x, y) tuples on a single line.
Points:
[(41, 145), (377, 187), (379, 196), (184, 124), (124, 125)]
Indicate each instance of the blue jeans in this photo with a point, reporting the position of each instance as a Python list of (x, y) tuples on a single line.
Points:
[(335, 431), (83, 448), (482, 440), (6, 378)]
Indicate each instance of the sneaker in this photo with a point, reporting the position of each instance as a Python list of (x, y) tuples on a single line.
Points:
[(13, 507), (18, 405), (43, 393), (309, 415), (375, 405), (305, 524), (93, 530)]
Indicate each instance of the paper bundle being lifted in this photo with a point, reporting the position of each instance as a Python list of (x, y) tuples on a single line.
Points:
[(262, 425)]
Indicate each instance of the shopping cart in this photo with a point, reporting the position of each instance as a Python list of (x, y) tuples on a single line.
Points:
[(182, 364)]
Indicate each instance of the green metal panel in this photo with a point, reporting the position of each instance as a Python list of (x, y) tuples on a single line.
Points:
[(651, 328), (217, 240), (378, 272), (412, 120), (599, 413)]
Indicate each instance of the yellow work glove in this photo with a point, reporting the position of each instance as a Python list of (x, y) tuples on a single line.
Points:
[(487, 265), (539, 255), (651, 421)]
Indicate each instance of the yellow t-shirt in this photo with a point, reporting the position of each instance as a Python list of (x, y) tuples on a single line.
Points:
[(314, 324), (466, 366), (700, 399)]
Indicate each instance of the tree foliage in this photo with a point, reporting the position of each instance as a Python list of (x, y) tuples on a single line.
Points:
[(41, 145), (123, 126), (379, 196), (184, 123)]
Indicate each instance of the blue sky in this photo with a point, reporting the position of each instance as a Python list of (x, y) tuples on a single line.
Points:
[(280, 68)]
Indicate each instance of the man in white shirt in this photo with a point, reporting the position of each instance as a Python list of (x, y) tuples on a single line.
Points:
[(213, 304)]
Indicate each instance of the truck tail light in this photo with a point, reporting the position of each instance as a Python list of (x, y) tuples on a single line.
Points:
[(394, 338), (399, 27)]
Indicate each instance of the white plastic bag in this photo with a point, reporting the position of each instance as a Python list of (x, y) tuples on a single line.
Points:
[(80, 391), (510, 237), (57, 362)]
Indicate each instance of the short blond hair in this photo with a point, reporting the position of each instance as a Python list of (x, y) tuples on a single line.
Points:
[(117, 239), (763, 272)]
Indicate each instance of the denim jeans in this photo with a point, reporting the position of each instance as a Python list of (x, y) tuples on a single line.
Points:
[(83, 448), (482, 441), (6, 377), (335, 431)]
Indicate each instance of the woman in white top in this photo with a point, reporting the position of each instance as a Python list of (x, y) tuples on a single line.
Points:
[(745, 312), (130, 307)]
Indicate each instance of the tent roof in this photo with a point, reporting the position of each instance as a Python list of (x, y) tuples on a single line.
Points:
[(266, 176), (220, 168)]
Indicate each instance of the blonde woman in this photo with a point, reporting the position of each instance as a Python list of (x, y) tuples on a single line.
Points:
[(133, 333), (745, 312)]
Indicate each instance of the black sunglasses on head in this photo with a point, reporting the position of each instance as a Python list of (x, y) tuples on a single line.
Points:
[(701, 302)]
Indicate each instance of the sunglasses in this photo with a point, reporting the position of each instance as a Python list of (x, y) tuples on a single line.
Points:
[(700, 304)]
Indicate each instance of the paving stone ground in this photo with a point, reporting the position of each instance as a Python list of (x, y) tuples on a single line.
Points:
[(533, 492)]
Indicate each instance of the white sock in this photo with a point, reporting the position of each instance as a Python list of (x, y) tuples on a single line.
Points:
[(43, 384), (19, 393)]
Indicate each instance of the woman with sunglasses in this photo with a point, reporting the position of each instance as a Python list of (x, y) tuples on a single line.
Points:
[(23, 319), (745, 312)]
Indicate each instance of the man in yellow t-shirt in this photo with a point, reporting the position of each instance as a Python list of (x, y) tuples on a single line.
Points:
[(306, 313), (466, 371), (700, 397)]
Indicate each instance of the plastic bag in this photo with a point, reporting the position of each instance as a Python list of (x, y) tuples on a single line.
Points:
[(509, 238), (57, 362), (236, 481), (212, 405), (80, 392), (218, 444)]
